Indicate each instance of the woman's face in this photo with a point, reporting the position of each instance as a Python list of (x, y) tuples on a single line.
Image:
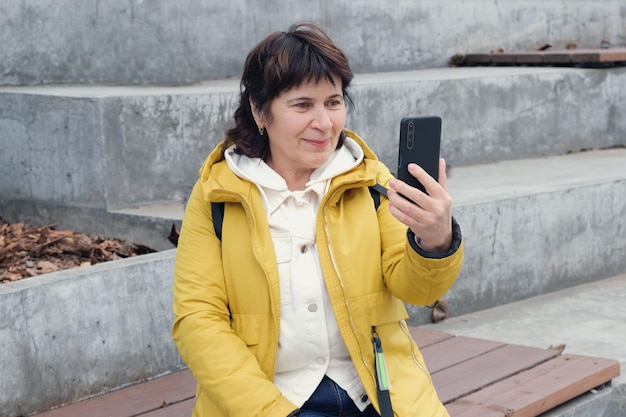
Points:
[(304, 129)]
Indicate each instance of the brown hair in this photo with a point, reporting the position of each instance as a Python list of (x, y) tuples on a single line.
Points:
[(282, 61)]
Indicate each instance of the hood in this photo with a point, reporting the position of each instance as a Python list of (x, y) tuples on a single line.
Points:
[(219, 183)]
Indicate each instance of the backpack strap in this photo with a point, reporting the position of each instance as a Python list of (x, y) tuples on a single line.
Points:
[(217, 209), (376, 191)]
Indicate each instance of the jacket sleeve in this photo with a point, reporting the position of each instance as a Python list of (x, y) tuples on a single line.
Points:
[(225, 369), (412, 274)]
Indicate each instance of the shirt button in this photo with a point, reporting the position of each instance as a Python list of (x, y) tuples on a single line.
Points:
[(304, 249), (312, 308), (363, 398), (320, 360)]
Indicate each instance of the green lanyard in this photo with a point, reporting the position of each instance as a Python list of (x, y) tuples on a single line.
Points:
[(382, 377)]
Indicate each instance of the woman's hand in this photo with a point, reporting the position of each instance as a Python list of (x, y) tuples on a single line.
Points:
[(427, 215)]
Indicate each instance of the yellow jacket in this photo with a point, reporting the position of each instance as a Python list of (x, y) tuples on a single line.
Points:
[(226, 294)]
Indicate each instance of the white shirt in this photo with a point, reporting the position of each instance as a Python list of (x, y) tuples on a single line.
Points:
[(309, 344)]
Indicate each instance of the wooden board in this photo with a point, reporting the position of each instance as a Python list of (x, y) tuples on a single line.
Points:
[(482, 371), (572, 57), (473, 377), (539, 389), (182, 409), (455, 350), (461, 409), (135, 400), (426, 337)]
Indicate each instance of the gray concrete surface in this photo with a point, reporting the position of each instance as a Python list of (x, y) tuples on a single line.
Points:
[(107, 159), (533, 226), (116, 148), (89, 330), (589, 319), (72, 334), (530, 225), (166, 42)]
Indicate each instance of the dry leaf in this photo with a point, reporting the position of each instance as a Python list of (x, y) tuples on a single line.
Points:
[(29, 251)]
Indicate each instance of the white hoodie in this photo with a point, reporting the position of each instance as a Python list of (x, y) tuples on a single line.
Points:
[(309, 345)]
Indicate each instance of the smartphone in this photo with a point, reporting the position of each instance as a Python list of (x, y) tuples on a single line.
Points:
[(420, 142)]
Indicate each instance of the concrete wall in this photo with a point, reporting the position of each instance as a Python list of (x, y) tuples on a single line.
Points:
[(531, 245), (77, 333), (78, 153), (169, 42), (51, 149), (535, 226), (122, 147)]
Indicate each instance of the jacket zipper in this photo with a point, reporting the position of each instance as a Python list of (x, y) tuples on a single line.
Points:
[(343, 288), (405, 330)]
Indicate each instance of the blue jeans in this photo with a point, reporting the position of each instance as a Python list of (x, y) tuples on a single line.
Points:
[(330, 400)]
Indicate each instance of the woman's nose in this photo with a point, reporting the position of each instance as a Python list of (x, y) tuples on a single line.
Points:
[(321, 119)]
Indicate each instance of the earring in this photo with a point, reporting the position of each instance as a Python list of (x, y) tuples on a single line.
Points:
[(261, 131)]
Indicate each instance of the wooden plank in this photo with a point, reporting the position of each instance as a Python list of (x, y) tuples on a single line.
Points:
[(470, 376), (181, 409), (478, 59), (582, 57), (134, 400), (569, 57), (529, 58), (503, 59), (473, 377), (599, 55), (455, 350), (460, 409), (550, 57), (543, 387), (426, 337), (613, 55)]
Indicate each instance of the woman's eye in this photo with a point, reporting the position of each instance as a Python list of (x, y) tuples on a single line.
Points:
[(302, 105)]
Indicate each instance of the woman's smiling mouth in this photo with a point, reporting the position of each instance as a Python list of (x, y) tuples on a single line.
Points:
[(317, 143)]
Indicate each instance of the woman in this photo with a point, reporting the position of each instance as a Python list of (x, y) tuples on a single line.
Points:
[(277, 318)]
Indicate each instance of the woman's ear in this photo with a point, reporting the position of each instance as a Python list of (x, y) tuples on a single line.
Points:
[(258, 119)]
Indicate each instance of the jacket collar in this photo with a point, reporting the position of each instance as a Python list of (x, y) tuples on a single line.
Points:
[(219, 183)]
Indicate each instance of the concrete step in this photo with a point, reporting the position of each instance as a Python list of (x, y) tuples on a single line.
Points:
[(588, 319), (537, 225), (530, 226), (76, 333), (165, 42), (115, 148)]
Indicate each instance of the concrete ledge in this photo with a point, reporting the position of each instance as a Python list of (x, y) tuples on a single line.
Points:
[(165, 42), (530, 226), (77, 333), (534, 226), (123, 147), (89, 330)]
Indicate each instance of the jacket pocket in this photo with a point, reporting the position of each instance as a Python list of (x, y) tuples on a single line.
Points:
[(282, 247), (384, 308)]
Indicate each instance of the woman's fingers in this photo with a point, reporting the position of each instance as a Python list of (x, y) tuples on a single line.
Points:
[(427, 215)]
